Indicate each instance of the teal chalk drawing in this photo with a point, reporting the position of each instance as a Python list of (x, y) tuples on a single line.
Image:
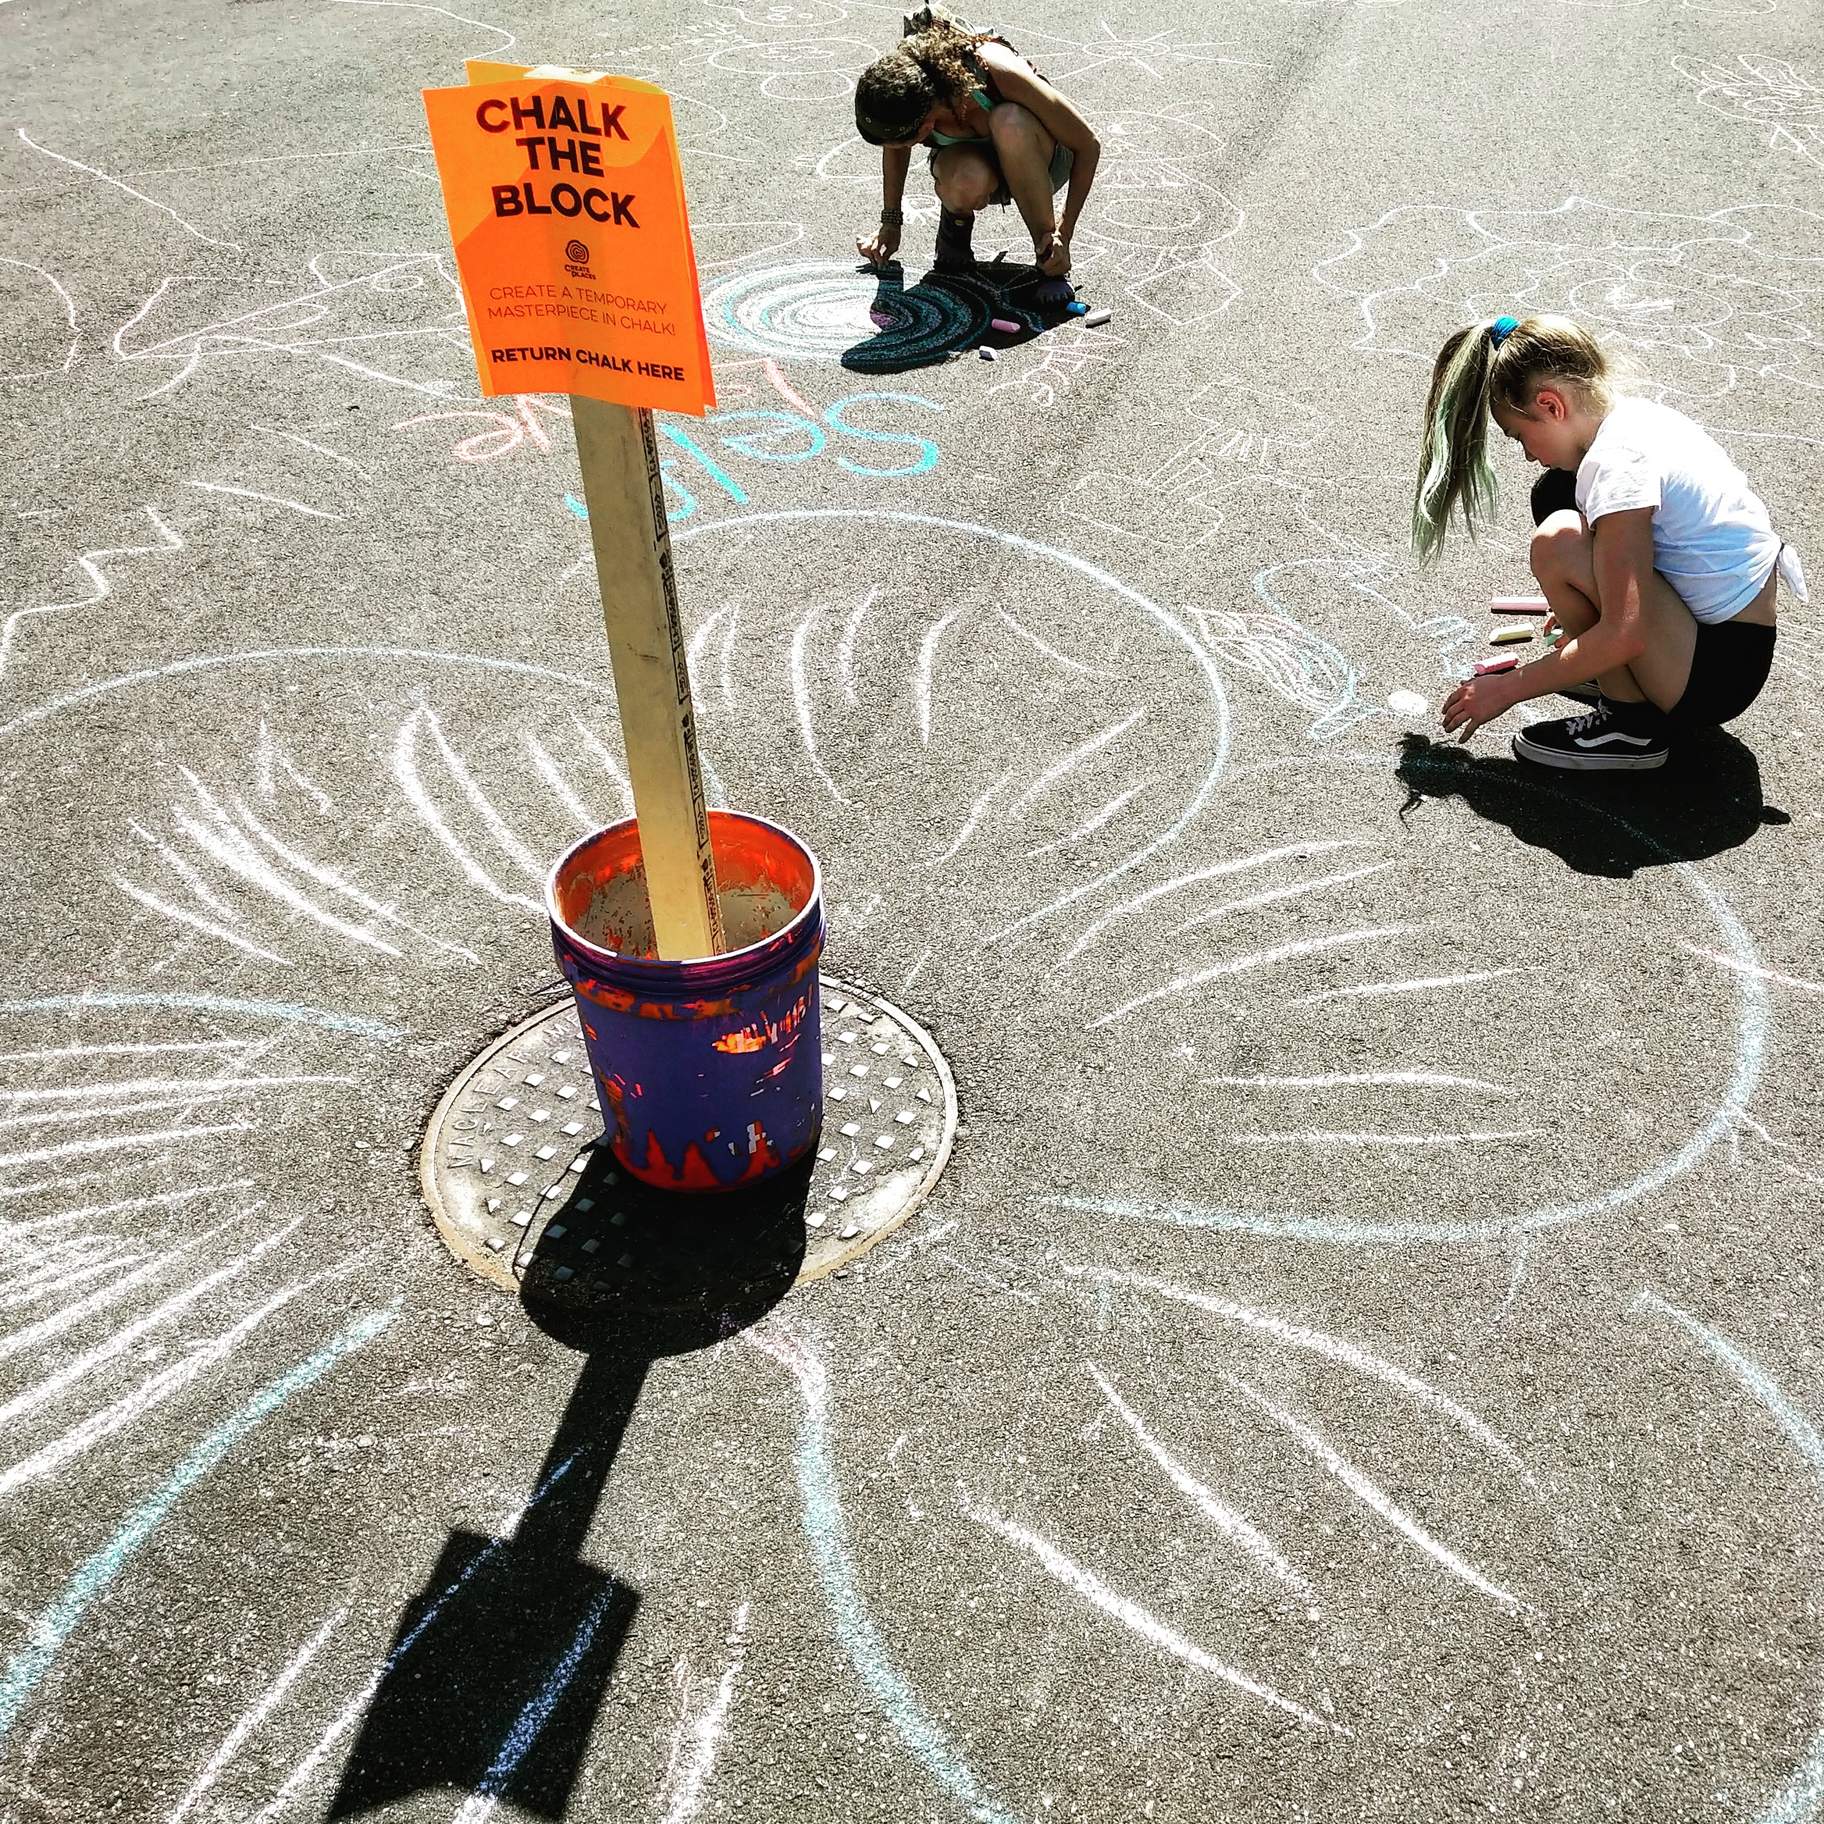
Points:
[(827, 1533), (51, 1629), (760, 444), (926, 460), (713, 469)]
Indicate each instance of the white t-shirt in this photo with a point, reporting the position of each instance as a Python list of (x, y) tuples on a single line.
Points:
[(1713, 540)]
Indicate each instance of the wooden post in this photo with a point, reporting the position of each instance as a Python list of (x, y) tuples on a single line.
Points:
[(626, 499)]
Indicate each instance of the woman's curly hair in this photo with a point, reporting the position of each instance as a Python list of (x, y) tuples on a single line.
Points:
[(934, 63)]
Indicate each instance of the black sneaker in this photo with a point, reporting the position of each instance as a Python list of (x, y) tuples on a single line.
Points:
[(954, 234), (1612, 737)]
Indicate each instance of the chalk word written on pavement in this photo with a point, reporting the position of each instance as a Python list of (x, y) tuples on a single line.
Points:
[(792, 437)]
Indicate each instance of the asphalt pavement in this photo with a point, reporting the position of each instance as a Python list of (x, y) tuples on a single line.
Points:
[(1359, 1360)]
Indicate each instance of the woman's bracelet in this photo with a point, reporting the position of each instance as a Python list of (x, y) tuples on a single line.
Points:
[(892, 218)]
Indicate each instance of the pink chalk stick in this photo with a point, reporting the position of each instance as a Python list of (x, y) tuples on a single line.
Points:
[(1487, 667), (1519, 604), (1006, 328)]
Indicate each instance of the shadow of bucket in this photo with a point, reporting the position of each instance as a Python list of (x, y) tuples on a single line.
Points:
[(710, 1070)]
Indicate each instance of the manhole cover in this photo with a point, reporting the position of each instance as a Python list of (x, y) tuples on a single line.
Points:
[(519, 1184)]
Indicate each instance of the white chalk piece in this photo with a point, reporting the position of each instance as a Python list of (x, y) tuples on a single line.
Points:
[(1510, 636), (1519, 604), (1004, 326), (986, 353), (1485, 668), (1407, 703), (1096, 318)]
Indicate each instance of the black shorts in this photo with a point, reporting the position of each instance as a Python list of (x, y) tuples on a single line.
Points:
[(1554, 492), (1729, 663)]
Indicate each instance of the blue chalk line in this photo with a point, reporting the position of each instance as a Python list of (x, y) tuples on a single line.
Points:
[(48, 1632)]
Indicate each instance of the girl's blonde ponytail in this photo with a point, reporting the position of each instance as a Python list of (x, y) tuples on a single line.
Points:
[(1454, 473)]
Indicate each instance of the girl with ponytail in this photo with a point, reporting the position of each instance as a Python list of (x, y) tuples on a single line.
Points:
[(998, 133), (1658, 561)]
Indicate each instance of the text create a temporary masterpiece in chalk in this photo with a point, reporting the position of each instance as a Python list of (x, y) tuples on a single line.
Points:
[(584, 303)]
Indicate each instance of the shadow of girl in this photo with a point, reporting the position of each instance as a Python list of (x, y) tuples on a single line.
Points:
[(1706, 799)]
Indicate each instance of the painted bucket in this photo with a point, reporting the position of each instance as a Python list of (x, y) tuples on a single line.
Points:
[(710, 1071)]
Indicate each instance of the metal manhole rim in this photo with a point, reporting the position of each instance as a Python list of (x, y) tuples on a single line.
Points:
[(432, 1140)]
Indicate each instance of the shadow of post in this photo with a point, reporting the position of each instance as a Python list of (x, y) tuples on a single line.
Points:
[(498, 1668), (1707, 798)]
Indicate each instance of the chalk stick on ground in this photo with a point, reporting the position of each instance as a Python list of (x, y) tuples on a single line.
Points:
[(1510, 636), (1076, 308), (1096, 318), (1006, 327), (1484, 668), (1519, 604), (986, 353)]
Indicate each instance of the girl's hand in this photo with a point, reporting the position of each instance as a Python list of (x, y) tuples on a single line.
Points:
[(1479, 700), (1052, 252), (878, 250)]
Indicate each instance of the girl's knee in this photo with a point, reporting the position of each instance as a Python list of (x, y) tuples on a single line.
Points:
[(1560, 548), (1013, 127)]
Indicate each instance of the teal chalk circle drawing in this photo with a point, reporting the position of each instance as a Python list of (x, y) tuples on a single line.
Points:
[(828, 310)]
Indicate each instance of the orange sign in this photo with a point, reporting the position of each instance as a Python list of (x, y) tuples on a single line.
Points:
[(566, 205)]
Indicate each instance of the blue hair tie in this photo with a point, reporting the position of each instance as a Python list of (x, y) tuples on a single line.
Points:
[(1501, 329)]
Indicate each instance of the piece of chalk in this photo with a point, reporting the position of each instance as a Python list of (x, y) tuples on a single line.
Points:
[(1485, 667), (986, 353), (1510, 636), (1004, 326), (1519, 604), (1076, 308), (1096, 318)]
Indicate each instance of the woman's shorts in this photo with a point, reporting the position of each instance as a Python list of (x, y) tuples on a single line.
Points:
[(1729, 663), (1062, 158)]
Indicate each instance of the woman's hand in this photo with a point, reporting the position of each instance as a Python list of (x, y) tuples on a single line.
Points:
[(1052, 252), (1479, 700), (878, 250)]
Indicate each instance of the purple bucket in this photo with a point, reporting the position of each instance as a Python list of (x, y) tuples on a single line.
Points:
[(710, 1070)]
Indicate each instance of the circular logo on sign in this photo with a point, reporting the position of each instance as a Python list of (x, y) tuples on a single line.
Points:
[(576, 252)]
